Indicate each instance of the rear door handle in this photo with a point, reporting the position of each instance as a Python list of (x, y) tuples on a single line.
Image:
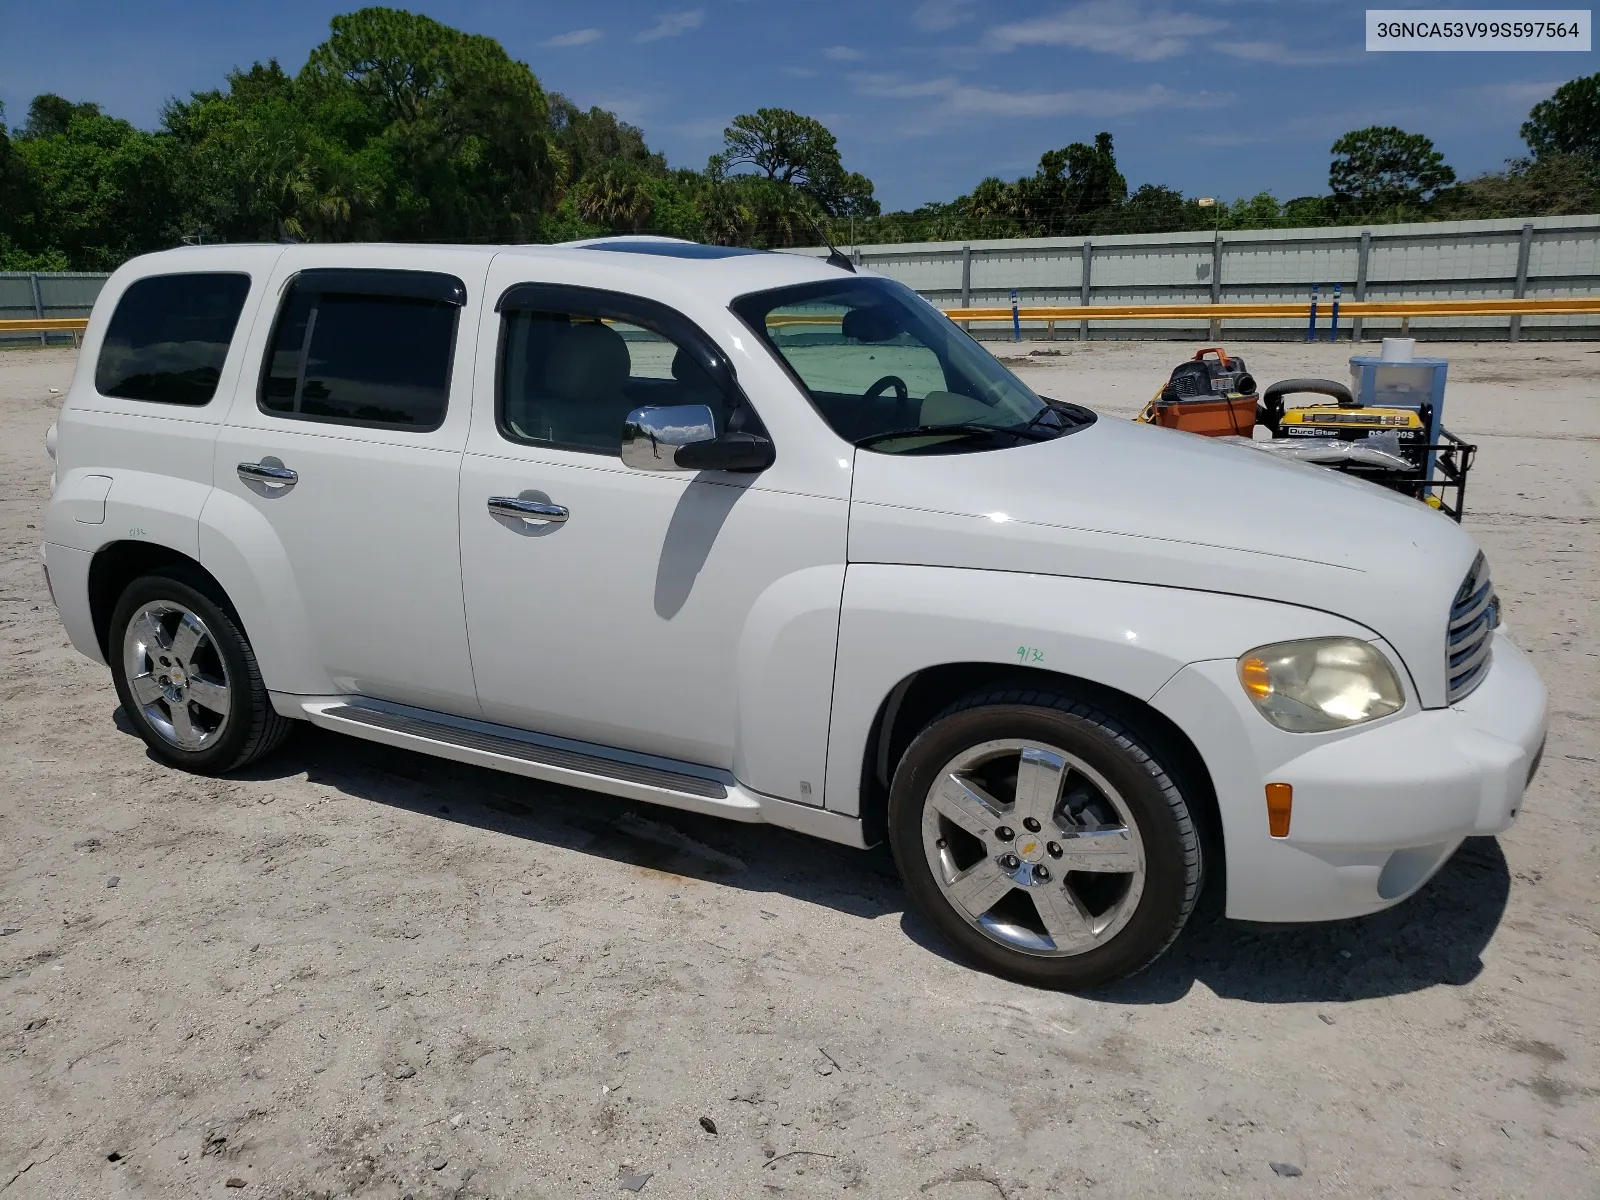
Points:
[(273, 475), (533, 512)]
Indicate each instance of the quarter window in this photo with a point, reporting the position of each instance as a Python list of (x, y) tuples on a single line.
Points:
[(357, 348), (169, 336)]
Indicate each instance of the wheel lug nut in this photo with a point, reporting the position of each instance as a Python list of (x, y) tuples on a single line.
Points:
[(1010, 862), (1055, 849), (1004, 833), (1041, 874), (1030, 825)]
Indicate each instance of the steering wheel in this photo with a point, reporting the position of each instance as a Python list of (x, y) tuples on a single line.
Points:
[(901, 392)]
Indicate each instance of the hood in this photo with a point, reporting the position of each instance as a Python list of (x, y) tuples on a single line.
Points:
[(1141, 504)]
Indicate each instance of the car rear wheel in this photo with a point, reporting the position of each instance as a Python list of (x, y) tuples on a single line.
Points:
[(1045, 839), (187, 677)]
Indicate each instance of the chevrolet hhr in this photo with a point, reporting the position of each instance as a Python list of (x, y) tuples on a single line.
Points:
[(762, 536)]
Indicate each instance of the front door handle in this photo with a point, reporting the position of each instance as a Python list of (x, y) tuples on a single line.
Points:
[(533, 512), (273, 475)]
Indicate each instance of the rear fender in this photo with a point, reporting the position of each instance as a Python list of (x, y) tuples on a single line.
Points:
[(241, 549)]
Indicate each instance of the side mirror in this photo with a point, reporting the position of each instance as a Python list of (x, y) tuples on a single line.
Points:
[(683, 437)]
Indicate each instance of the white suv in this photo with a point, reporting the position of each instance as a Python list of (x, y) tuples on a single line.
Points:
[(757, 535)]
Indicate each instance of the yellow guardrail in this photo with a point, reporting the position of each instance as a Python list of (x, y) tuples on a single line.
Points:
[(1548, 306), (57, 325), (73, 325)]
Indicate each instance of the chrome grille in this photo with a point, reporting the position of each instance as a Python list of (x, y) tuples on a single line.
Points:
[(1473, 617)]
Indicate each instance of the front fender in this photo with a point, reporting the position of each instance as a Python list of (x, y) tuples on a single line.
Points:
[(785, 677), (1133, 638)]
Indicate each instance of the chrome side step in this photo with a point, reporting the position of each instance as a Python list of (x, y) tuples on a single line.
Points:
[(556, 760), (531, 752)]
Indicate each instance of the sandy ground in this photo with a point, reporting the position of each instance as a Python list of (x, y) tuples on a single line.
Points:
[(359, 972)]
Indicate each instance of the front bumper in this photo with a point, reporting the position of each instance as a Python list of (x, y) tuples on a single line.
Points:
[(1377, 809)]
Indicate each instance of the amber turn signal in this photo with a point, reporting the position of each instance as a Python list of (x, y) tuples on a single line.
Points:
[(1256, 678), (1280, 796)]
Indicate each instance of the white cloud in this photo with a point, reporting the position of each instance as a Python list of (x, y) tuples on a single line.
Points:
[(935, 15), (894, 87), (843, 54), (1119, 29), (1128, 31), (632, 107), (578, 37), (1522, 95), (957, 101), (671, 25), (703, 128)]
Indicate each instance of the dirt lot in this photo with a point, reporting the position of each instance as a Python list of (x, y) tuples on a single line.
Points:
[(358, 972)]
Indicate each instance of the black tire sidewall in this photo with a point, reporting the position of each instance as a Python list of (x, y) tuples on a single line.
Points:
[(1168, 890), (227, 750)]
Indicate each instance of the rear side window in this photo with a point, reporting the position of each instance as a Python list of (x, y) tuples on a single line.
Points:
[(169, 336), (364, 348)]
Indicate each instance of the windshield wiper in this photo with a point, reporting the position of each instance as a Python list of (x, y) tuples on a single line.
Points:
[(1072, 416), (966, 428), (1034, 420)]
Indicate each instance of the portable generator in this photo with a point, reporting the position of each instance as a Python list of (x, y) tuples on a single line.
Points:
[(1406, 432), (1398, 446)]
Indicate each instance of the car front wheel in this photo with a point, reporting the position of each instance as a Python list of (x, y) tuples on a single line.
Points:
[(1045, 839)]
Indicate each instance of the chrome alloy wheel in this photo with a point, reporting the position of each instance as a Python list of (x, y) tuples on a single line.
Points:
[(1033, 847), (176, 674)]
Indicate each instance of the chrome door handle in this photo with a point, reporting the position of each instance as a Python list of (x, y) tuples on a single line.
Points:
[(532, 511), (266, 473)]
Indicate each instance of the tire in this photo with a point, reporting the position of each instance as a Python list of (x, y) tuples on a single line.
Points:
[(187, 677), (1119, 879)]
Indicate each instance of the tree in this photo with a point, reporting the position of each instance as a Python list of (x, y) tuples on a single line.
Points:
[(799, 151), (616, 195), (461, 128), (1076, 189), (1383, 167), (1070, 184), (102, 191), (1154, 208), (257, 163), (50, 114), (1568, 122), (596, 138), (1555, 185)]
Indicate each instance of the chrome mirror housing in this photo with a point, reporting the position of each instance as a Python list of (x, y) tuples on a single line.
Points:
[(651, 437)]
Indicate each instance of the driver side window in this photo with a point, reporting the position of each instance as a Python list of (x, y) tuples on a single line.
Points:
[(570, 372)]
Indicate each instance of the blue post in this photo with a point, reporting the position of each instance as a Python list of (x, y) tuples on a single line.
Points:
[(1016, 323), (1333, 329), (1311, 328)]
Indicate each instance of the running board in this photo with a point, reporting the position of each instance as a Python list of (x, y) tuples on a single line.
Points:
[(554, 760)]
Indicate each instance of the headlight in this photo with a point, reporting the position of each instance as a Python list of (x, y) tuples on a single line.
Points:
[(1320, 684)]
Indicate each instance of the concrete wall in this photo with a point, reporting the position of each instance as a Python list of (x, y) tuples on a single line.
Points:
[(1541, 256), (24, 296), (1560, 256)]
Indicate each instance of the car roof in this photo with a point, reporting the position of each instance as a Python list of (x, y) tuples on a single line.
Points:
[(719, 273)]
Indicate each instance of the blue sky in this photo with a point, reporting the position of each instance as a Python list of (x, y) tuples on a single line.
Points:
[(1213, 97)]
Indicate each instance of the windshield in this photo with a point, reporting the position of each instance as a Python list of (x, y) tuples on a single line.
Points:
[(891, 373)]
